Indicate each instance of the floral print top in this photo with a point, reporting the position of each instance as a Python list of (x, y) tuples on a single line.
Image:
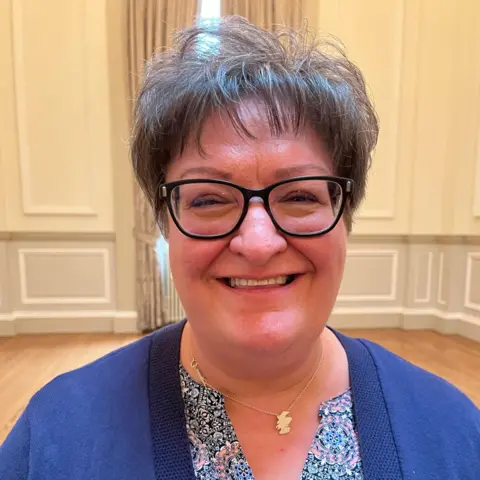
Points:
[(217, 453)]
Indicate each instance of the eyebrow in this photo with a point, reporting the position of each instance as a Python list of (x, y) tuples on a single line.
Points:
[(207, 171), (300, 170)]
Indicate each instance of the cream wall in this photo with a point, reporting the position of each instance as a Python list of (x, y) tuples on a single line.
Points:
[(414, 255), (66, 208), (57, 160), (420, 58)]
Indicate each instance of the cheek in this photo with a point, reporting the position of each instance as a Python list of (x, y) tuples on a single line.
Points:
[(190, 259), (328, 254), (335, 251), (329, 262), (338, 245)]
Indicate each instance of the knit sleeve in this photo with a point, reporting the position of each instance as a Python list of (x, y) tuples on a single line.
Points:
[(15, 451)]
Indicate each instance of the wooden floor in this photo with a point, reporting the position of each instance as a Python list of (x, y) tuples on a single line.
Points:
[(28, 362)]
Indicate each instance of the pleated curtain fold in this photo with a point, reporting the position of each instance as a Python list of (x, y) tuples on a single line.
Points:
[(269, 14), (151, 24)]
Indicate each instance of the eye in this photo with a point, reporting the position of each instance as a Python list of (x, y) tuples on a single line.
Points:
[(206, 201), (300, 197)]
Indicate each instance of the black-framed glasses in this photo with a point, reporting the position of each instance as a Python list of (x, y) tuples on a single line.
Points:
[(301, 206)]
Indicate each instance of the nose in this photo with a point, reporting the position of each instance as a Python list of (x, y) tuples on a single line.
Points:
[(257, 238)]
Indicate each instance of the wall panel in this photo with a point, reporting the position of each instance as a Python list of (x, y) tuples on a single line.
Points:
[(423, 274), (442, 280), (420, 59), (373, 32), (472, 282), (476, 182), (61, 276), (4, 296), (7, 324), (474, 213), (423, 278), (51, 149), (3, 199), (433, 104), (462, 185), (382, 268), (6, 128), (76, 276), (57, 141)]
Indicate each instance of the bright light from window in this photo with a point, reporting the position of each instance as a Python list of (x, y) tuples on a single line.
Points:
[(210, 9), (210, 12)]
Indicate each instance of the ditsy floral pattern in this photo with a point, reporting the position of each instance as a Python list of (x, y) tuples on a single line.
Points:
[(217, 453)]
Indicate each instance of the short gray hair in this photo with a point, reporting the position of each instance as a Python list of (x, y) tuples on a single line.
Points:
[(301, 81)]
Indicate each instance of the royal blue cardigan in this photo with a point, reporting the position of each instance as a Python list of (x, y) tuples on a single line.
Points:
[(121, 417)]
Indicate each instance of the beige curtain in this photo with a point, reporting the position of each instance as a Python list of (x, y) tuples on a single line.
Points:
[(150, 27), (269, 14)]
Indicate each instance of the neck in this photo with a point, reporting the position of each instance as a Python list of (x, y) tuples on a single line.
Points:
[(260, 377)]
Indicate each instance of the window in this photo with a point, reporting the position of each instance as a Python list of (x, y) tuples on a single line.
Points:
[(209, 10)]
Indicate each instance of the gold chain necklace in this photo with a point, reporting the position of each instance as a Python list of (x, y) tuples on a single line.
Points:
[(284, 419)]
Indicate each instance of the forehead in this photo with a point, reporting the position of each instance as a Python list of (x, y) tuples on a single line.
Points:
[(227, 148)]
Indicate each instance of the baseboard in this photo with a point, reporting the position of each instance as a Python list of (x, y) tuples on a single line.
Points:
[(447, 323), (38, 322), (469, 327), (125, 322), (7, 325), (347, 318)]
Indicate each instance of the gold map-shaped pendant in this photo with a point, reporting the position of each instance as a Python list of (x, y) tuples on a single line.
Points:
[(283, 422)]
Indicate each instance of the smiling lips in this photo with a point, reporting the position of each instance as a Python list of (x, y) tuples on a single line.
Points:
[(277, 281)]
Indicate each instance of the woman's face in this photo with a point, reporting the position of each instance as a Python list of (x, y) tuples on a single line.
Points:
[(256, 319)]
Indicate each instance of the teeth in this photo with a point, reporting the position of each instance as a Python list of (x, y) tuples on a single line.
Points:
[(243, 282)]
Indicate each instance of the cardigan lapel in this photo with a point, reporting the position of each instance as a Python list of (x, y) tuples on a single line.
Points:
[(377, 446), (171, 447)]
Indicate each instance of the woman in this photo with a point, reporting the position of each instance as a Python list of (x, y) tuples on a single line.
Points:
[(254, 152)]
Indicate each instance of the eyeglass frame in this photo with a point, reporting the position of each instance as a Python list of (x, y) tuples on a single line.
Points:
[(346, 186)]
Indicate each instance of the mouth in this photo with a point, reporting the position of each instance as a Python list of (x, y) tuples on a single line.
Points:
[(250, 283)]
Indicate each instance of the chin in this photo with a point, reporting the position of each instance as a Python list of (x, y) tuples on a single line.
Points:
[(272, 331)]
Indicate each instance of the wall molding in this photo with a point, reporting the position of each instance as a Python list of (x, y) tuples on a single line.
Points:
[(413, 239), (7, 325), (355, 238), (392, 295), (393, 123), (476, 181), (376, 214), (441, 260), (58, 236), (447, 323), (379, 311), (20, 79), (468, 281), (425, 299), (26, 299), (72, 321)]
